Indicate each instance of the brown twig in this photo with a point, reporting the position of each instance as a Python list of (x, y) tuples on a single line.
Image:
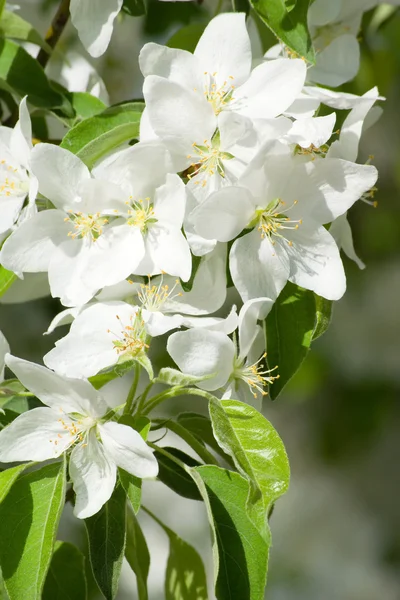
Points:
[(55, 30)]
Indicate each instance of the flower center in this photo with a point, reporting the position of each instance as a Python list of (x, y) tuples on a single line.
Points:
[(132, 338), (141, 213), (152, 297), (207, 160), (273, 220), (218, 95), (76, 427), (86, 225), (13, 180), (254, 376)]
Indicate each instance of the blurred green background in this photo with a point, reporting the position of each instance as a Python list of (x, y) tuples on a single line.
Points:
[(336, 534)]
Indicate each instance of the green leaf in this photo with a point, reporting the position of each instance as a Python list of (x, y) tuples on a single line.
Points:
[(173, 476), (66, 577), (241, 6), (289, 330), (258, 453), (13, 26), (21, 73), (133, 488), (2, 6), (195, 443), (29, 517), (289, 26), (94, 137), (7, 278), (200, 426), (323, 316), (106, 535), (134, 8), (187, 37), (137, 554), (171, 376), (240, 552), (8, 477)]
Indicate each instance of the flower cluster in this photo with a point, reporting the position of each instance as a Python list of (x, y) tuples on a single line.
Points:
[(235, 182)]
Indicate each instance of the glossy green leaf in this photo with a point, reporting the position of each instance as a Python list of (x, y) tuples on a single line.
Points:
[(240, 551), (288, 23), (195, 443), (200, 426), (323, 316), (289, 331), (14, 26), (137, 554), (187, 37), (173, 476), (133, 488), (2, 7), (8, 477), (93, 138), (21, 73), (7, 278), (29, 517), (258, 453), (66, 576), (171, 376), (106, 535), (134, 8), (86, 105)]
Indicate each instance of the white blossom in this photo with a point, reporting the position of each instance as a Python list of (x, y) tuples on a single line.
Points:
[(4, 349), (73, 417)]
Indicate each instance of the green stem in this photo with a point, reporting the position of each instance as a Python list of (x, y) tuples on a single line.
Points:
[(191, 441), (142, 399), (175, 392), (55, 30), (219, 8), (132, 391)]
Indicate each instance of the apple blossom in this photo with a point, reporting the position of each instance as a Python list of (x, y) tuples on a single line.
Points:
[(74, 417), (4, 349)]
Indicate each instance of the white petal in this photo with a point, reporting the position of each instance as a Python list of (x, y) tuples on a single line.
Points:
[(60, 173), (21, 137), (224, 48), (340, 230), (89, 346), (314, 131), (271, 89), (303, 107), (157, 323), (31, 246), (4, 349), (128, 450), (94, 21), (93, 475), (170, 251), (174, 64), (178, 116), (337, 63), (315, 262), (69, 395), (35, 435), (340, 100), (258, 268), (224, 214), (225, 325), (100, 196), (250, 313), (65, 317), (202, 352), (10, 208), (170, 201), (322, 12)]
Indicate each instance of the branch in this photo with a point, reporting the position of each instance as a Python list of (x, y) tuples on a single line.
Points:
[(55, 30)]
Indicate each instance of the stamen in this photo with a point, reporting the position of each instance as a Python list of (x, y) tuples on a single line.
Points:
[(133, 336), (86, 225), (152, 297), (142, 213), (255, 377), (218, 95), (273, 220)]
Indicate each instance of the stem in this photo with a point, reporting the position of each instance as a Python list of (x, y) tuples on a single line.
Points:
[(143, 397), (132, 391), (55, 30), (171, 393), (219, 8)]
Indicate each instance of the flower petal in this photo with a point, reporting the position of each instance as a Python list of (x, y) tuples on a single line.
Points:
[(10, 209), (172, 63), (340, 230), (31, 246), (314, 131), (337, 63), (4, 349), (128, 450), (170, 201), (258, 268), (69, 395), (271, 88), (224, 48), (94, 22), (93, 475), (170, 251), (250, 313), (202, 352), (21, 137), (60, 174), (35, 435)]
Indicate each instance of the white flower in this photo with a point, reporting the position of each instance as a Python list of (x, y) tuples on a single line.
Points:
[(73, 416), (94, 21), (101, 232), (284, 202), (16, 180), (4, 349), (201, 352), (209, 108), (107, 331)]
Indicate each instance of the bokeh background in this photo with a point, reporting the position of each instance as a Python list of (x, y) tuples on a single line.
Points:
[(336, 534)]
